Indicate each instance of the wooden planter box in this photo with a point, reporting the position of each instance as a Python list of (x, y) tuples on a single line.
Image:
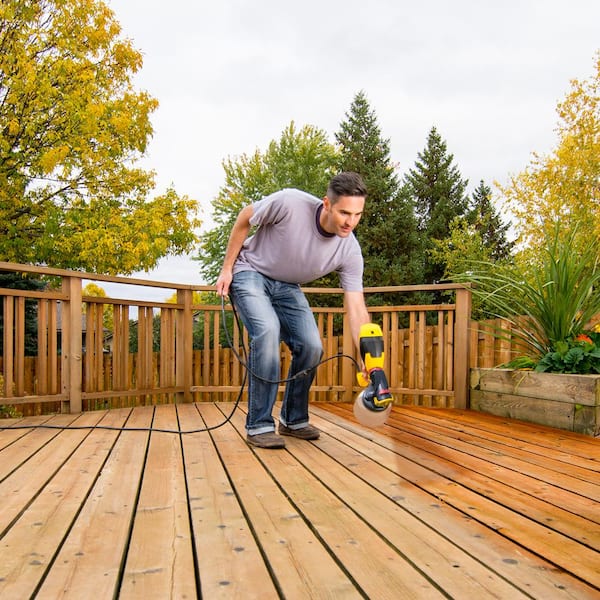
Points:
[(569, 402)]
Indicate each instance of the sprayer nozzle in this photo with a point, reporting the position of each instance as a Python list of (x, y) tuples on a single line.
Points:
[(368, 414)]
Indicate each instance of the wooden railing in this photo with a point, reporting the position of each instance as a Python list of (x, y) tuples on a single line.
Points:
[(488, 350), (84, 364)]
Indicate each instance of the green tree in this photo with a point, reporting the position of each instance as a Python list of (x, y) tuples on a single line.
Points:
[(478, 236), (387, 231), (564, 186), (134, 334), (460, 249), (18, 281), (487, 221), (301, 159), (438, 191), (71, 130)]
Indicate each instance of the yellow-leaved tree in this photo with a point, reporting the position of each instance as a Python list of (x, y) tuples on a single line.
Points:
[(72, 130), (563, 187), (95, 291)]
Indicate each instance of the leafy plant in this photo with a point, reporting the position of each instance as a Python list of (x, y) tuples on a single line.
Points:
[(547, 306), (6, 410), (9, 412), (578, 355)]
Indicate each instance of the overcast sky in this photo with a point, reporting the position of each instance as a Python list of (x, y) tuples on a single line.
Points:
[(230, 75)]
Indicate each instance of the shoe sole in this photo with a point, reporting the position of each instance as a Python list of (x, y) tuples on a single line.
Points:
[(300, 437), (273, 446)]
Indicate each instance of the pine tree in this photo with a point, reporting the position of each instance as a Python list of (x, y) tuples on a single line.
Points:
[(18, 281), (387, 231), (438, 192), (488, 223)]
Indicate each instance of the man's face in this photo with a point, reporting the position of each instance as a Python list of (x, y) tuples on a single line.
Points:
[(342, 217)]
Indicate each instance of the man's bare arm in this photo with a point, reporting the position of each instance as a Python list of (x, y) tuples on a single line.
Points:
[(357, 313), (238, 236)]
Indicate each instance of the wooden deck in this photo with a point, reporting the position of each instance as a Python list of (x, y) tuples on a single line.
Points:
[(436, 504)]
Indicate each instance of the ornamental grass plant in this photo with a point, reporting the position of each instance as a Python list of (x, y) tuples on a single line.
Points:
[(550, 309)]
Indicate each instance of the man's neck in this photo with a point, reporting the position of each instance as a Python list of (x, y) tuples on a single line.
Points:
[(319, 222)]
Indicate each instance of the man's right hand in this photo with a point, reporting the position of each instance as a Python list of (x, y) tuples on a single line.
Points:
[(223, 282)]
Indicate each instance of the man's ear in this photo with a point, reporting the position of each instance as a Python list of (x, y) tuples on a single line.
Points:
[(326, 203)]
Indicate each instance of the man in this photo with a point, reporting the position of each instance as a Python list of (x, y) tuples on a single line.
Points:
[(298, 239)]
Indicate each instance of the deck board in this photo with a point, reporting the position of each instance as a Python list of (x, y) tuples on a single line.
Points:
[(431, 555), (367, 557), (437, 503), (299, 563), (88, 563), (160, 557), (221, 530)]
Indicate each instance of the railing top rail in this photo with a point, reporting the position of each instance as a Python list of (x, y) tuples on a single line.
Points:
[(50, 271), (129, 302)]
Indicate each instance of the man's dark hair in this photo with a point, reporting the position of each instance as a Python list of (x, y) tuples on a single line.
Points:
[(346, 184)]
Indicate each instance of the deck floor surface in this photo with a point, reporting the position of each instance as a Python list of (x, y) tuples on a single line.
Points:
[(437, 503)]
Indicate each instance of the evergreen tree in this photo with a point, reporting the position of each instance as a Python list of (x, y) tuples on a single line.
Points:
[(488, 223), (11, 280), (438, 191), (387, 231)]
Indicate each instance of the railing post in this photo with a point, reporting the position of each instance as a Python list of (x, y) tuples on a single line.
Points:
[(184, 346), (71, 345), (461, 348), (8, 359), (348, 371)]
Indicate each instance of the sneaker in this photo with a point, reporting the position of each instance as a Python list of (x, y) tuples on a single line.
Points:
[(266, 440), (304, 433)]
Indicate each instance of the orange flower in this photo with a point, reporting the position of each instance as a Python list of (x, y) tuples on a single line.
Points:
[(584, 338)]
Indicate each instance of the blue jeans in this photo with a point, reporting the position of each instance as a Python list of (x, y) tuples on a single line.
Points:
[(273, 311)]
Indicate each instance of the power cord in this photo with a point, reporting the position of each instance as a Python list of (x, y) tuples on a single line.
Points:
[(247, 370)]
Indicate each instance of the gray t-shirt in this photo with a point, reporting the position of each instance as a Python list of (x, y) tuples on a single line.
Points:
[(290, 246)]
